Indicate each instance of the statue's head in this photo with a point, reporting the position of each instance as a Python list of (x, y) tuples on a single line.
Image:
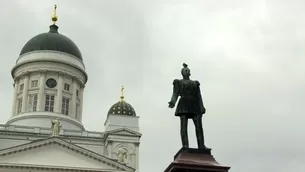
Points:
[(185, 71)]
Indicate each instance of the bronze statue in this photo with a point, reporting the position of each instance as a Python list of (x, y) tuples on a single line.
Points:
[(190, 105)]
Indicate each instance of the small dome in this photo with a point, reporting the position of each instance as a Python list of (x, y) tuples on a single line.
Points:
[(52, 40), (122, 108)]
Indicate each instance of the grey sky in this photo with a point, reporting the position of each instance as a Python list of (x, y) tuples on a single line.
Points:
[(248, 56)]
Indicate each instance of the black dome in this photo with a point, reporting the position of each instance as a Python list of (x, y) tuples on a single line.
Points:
[(122, 108), (52, 40)]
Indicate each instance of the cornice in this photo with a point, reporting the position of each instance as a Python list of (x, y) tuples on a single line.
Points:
[(71, 65), (118, 132), (50, 168), (42, 72), (45, 136)]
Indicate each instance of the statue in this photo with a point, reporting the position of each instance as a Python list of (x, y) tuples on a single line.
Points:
[(55, 127), (122, 155), (190, 105)]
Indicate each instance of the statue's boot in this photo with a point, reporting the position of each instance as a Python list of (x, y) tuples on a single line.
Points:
[(184, 139), (183, 131)]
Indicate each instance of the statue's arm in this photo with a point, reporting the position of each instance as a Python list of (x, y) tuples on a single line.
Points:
[(202, 108), (175, 95)]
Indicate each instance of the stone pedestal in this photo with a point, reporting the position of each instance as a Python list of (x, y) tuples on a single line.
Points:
[(195, 160)]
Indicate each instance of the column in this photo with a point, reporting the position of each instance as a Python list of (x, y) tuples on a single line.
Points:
[(59, 92), (41, 95), (25, 92), (81, 90), (16, 86), (137, 156), (73, 105), (109, 147)]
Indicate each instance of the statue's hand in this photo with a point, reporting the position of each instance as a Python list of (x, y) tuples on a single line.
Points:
[(171, 104)]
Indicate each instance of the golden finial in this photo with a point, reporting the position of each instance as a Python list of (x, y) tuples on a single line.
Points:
[(122, 94), (54, 17)]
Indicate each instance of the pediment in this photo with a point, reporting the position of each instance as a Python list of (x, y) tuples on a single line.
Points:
[(57, 153), (123, 132)]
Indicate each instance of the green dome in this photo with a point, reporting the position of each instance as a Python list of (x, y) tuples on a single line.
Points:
[(52, 40), (122, 108)]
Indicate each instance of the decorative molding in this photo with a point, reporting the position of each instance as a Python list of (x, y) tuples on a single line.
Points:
[(44, 114), (42, 71), (38, 136), (74, 78), (122, 132), (60, 73), (122, 145), (48, 168), (23, 74), (50, 51), (12, 130), (26, 73), (71, 65), (17, 78)]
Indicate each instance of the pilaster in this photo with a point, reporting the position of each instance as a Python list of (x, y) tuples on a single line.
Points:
[(25, 92), (137, 154), (109, 148), (16, 87), (81, 90), (74, 87), (41, 95), (58, 101)]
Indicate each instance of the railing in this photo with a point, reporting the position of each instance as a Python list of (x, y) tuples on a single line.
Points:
[(41, 130)]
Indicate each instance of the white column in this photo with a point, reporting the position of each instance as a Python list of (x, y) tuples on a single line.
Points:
[(59, 92), (25, 92), (16, 86), (73, 105), (81, 90), (110, 151), (41, 95), (137, 157)]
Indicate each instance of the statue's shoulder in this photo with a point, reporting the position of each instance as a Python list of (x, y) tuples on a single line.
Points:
[(197, 83), (176, 81)]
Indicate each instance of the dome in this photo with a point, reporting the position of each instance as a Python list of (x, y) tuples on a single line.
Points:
[(122, 108), (52, 40)]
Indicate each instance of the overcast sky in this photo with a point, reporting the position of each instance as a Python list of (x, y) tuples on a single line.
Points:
[(249, 56)]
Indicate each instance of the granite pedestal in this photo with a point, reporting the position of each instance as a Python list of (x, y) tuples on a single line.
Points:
[(195, 160)]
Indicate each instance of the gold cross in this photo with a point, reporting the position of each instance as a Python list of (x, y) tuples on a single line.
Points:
[(54, 17), (122, 93)]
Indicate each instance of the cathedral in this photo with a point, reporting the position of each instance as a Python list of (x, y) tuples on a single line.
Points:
[(45, 130)]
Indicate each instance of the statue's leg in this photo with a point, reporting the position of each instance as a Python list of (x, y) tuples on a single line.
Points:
[(199, 131), (183, 131)]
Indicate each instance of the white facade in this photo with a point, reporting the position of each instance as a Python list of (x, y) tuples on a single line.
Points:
[(50, 85)]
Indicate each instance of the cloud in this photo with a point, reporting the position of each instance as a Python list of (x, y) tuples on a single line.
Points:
[(247, 55)]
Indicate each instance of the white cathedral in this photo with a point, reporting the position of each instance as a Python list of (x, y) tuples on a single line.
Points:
[(45, 131)]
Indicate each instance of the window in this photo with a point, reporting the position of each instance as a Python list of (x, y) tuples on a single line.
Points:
[(65, 106), (21, 87), (77, 91), (19, 105), (34, 83), (33, 103), (67, 87), (49, 104)]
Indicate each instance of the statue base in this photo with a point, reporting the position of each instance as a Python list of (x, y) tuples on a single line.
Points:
[(195, 160)]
